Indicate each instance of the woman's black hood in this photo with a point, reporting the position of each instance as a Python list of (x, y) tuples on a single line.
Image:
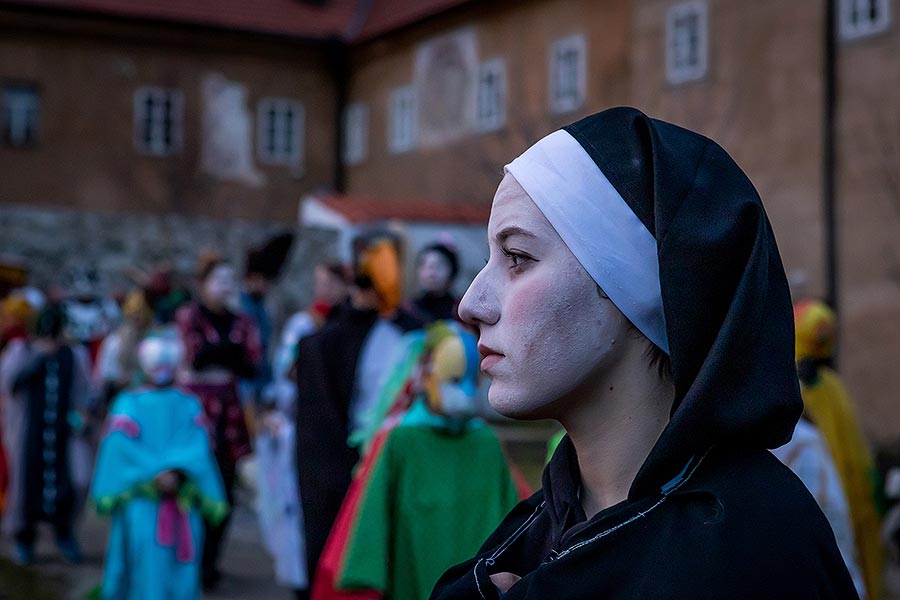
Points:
[(725, 297)]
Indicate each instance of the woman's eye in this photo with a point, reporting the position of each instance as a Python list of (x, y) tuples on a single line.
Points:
[(515, 259)]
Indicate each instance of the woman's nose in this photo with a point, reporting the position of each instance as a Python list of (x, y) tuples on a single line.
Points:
[(479, 304)]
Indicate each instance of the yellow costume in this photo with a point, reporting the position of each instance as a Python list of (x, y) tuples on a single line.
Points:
[(829, 407)]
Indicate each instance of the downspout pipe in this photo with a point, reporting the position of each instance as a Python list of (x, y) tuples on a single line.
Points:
[(341, 71), (829, 209)]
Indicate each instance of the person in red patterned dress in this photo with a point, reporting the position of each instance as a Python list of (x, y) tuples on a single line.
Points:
[(222, 346)]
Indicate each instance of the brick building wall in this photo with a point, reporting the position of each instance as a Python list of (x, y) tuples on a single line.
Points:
[(519, 33), (87, 72), (868, 217)]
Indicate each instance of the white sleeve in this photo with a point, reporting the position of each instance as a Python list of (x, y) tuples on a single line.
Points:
[(810, 460)]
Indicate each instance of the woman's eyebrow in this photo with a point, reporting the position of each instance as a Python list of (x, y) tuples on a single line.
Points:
[(512, 230)]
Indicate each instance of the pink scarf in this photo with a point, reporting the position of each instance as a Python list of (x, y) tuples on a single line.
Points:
[(174, 529)]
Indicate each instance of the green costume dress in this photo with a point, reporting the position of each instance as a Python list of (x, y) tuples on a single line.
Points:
[(437, 489)]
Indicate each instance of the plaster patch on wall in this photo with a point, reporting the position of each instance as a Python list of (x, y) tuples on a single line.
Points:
[(227, 150), (446, 68)]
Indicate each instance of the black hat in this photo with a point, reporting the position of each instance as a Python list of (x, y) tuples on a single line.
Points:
[(268, 259)]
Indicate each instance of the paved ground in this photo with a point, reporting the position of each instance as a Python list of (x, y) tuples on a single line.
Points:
[(246, 566)]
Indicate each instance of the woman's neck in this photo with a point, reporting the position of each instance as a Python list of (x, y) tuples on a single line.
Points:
[(614, 425)]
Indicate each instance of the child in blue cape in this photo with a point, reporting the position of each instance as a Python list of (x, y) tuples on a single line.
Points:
[(157, 476)]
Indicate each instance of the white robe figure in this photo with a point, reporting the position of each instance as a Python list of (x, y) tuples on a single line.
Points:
[(808, 457)]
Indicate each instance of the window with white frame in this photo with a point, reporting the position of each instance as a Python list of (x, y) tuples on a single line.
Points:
[(402, 120), (356, 133), (158, 120), (687, 44), (279, 131), (568, 73), (861, 18), (490, 113), (21, 103)]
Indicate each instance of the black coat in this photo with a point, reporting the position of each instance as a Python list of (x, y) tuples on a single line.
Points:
[(48, 492), (739, 525), (326, 372), (326, 367), (711, 513)]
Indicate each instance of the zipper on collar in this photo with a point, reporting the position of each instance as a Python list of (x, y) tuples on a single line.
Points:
[(516, 535), (665, 491)]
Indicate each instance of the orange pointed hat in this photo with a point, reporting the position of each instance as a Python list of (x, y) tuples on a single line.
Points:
[(379, 260)]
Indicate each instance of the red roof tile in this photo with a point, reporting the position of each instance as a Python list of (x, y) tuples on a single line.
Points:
[(367, 209), (387, 15), (292, 18)]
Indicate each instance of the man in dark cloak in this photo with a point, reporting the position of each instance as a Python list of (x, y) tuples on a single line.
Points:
[(54, 384), (329, 386)]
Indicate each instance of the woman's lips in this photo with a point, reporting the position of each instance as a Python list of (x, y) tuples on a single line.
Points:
[(489, 361), (490, 356)]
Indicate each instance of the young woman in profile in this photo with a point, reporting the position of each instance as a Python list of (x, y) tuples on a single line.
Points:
[(634, 292)]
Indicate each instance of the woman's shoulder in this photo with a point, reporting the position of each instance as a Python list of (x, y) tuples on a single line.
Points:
[(757, 502)]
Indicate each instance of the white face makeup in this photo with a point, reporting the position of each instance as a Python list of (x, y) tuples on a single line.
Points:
[(434, 272), (220, 286), (544, 327)]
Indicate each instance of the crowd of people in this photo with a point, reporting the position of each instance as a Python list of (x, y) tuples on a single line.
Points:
[(375, 471), (144, 409)]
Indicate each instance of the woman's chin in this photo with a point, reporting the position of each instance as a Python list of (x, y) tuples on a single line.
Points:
[(513, 404)]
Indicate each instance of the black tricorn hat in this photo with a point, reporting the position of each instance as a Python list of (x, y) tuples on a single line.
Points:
[(268, 260)]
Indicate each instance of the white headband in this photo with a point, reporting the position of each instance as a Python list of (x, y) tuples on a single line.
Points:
[(598, 226)]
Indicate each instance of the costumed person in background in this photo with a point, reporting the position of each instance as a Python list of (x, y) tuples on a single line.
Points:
[(339, 372), (437, 266), (221, 348), (280, 515), (890, 531), (13, 280), (417, 484), (808, 457), (90, 317), (54, 385), (264, 265), (830, 409), (635, 294), (117, 365), (160, 291), (15, 318), (157, 477), (331, 283)]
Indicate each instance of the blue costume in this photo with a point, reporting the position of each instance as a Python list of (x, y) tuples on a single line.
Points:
[(156, 540)]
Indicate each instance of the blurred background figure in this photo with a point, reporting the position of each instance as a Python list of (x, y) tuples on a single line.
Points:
[(90, 316), (221, 347), (330, 294), (161, 292), (16, 315), (264, 265), (382, 544), (280, 512), (117, 360), (157, 477), (339, 374), (437, 266), (53, 382), (808, 457), (830, 409)]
